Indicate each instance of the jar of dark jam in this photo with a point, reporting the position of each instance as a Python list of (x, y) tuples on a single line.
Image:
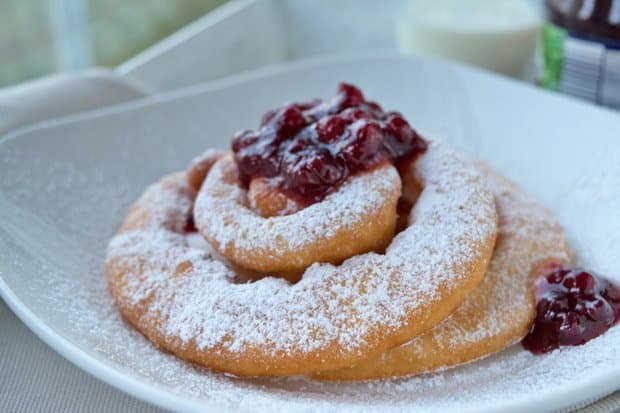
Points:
[(581, 49)]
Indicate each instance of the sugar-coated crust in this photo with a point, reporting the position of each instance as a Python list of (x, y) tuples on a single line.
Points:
[(200, 166), (499, 312), (358, 218), (187, 302)]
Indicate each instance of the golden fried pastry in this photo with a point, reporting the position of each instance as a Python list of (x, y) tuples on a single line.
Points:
[(336, 242), (500, 311), (188, 302), (358, 218), (268, 201), (197, 171)]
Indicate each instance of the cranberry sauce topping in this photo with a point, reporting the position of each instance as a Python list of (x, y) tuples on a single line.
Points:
[(308, 149), (573, 307)]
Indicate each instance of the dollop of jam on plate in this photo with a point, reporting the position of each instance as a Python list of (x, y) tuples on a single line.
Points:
[(573, 307), (308, 149)]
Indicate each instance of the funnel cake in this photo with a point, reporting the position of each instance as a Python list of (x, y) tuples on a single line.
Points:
[(359, 217), (186, 300), (500, 311), (284, 199)]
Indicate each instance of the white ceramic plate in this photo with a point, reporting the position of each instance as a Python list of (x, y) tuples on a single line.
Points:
[(65, 186)]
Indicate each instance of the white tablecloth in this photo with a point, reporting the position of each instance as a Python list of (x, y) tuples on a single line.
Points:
[(33, 378)]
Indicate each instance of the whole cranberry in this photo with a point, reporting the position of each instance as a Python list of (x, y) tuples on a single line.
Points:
[(349, 96), (316, 173), (330, 128), (288, 122), (375, 109), (258, 160), (400, 138), (244, 139), (364, 145)]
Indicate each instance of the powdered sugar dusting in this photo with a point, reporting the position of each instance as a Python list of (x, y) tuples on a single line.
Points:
[(331, 304), (52, 261), (528, 234), (228, 222), (500, 310)]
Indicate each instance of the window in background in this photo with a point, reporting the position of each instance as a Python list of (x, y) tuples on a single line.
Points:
[(26, 44), (38, 37)]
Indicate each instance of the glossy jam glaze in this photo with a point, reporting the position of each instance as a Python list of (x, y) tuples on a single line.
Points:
[(308, 149), (573, 306)]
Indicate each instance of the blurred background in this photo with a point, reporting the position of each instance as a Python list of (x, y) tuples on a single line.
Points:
[(571, 46), (38, 37)]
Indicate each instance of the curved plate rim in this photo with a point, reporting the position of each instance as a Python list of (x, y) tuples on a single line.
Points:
[(579, 392)]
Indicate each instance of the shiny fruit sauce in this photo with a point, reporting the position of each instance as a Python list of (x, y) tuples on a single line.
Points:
[(573, 307), (308, 150)]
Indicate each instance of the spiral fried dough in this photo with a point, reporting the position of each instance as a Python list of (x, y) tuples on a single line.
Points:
[(187, 302), (358, 218), (500, 311)]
